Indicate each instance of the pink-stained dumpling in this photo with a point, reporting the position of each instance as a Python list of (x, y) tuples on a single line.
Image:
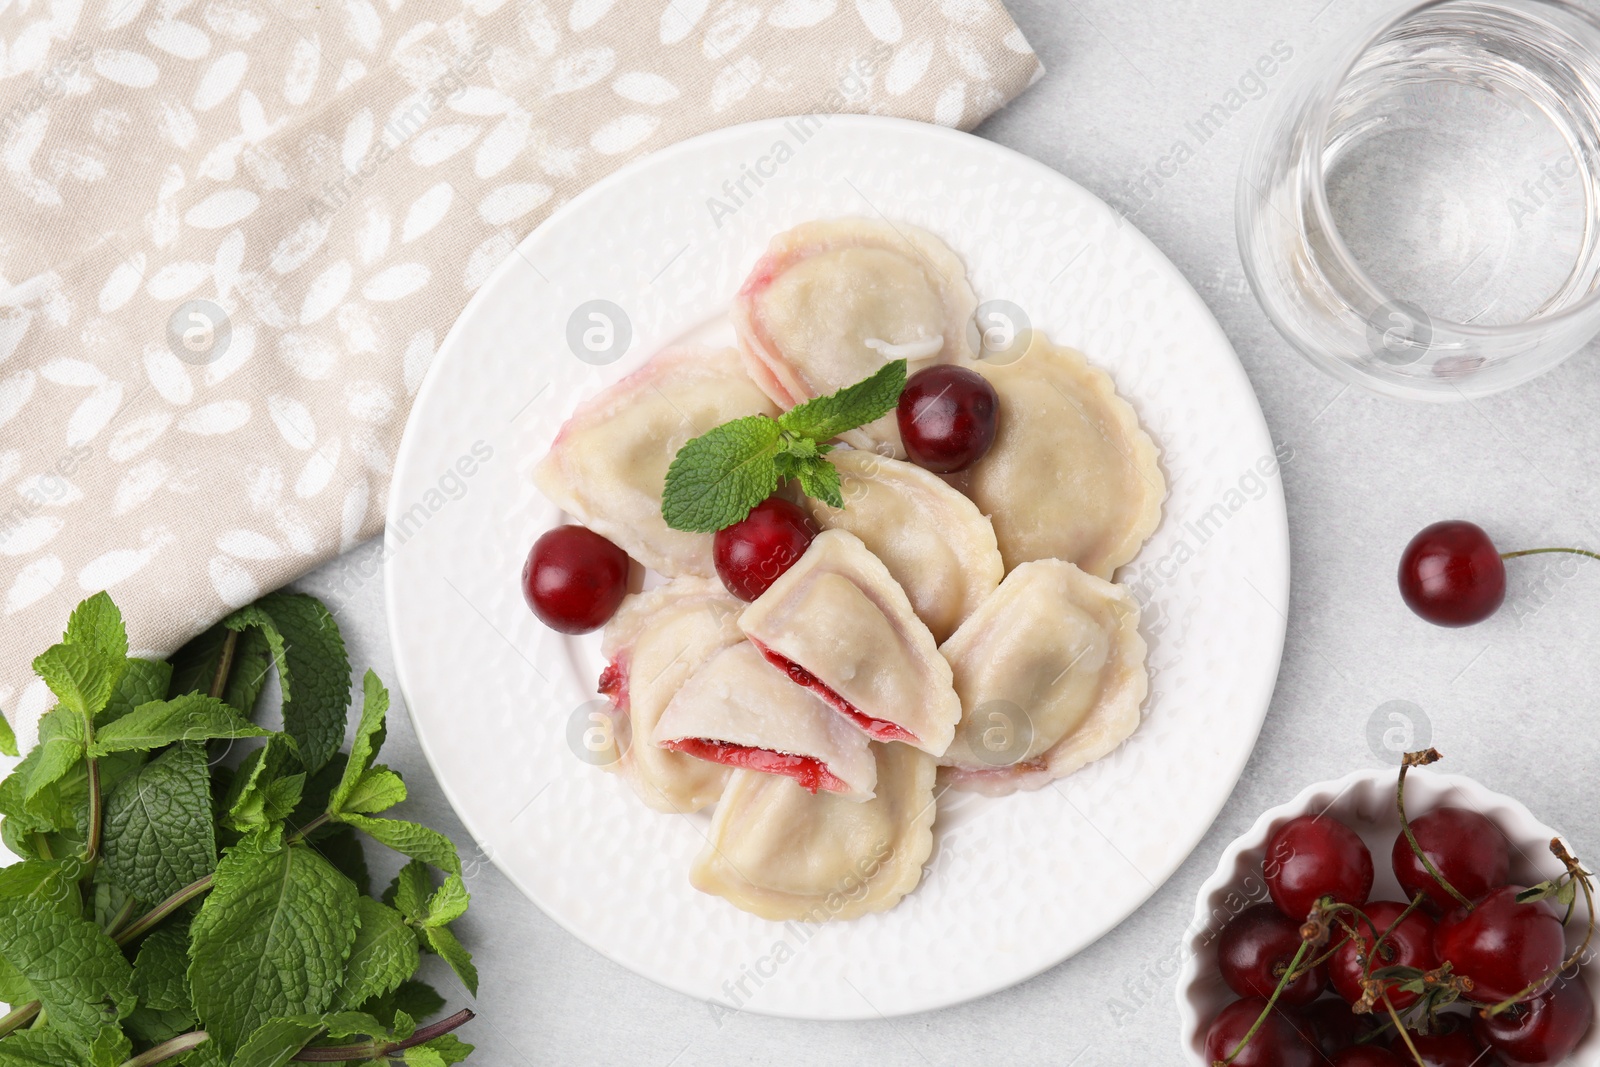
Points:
[(839, 624), (608, 464), (740, 710), (832, 301), (1051, 673)]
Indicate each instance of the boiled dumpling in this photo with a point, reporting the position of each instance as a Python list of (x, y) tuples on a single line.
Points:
[(654, 642), (784, 854), (833, 300), (935, 542), (609, 463), (740, 711), (838, 623), (1051, 674), (1070, 475)]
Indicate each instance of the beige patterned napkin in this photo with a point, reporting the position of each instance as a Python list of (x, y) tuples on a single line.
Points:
[(232, 233)]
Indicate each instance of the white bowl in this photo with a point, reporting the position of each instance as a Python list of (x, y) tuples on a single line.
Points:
[(1364, 801)]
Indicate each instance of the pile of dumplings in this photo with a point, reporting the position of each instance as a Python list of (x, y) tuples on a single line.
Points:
[(957, 631)]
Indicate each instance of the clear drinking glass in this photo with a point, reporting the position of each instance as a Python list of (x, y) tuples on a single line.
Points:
[(1420, 216)]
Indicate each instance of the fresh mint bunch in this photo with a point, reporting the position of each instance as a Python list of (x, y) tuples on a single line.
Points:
[(716, 478), (178, 902)]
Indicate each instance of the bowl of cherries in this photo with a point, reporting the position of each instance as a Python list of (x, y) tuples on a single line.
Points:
[(1386, 920)]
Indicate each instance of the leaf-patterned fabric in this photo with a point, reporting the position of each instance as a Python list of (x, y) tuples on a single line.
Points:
[(234, 231)]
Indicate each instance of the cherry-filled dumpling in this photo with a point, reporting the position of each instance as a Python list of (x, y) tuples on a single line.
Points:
[(784, 854), (935, 542), (837, 623), (833, 300), (1051, 674), (1071, 475), (654, 642), (608, 464), (739, 711)]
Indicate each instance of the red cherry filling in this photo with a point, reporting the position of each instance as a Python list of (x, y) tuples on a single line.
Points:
[(1410, 944), (752, 553), (1466, 848), (1451, 575), (810, 772), (1311, 857), (1502, 945), (1276, 1044), (877, 729), (947, 416), (574, 579), (1254, 953), (1541, 1031), (614, 684)]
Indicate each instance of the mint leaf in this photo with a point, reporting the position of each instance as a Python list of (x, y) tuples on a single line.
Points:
[(819, 479), (275, 1042), (38, 1048), (410, 890), (159, 835), (155, 1025), (827, 417), (97, 624), (77, 973), (244, 805), (313, 670), (449, 903), (449, 1047), (63, 734), (82, 678), (370, 734), (418, 842), (161, 970), (419, 999), (342, 1025), (379, 789), (442, 941), (194, 666), (270, 940), (47, 883), (162, 722), (252, 662), (383, 956), (341, 846), (144, 680), (8, 737), (208, 1054), (422, 1056), (716, 478), (110, 1047)]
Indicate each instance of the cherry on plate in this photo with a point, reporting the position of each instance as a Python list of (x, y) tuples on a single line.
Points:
[(1255, 951), (574, 579), (1312, 856), (948, 416), (1276, 1044), (1541, 1031), (1367, 1056), (752, 553), (1451, 575), (1410, 944), (1502, 945), (1467, 849)]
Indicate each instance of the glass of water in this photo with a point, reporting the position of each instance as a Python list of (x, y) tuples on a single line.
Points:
[(1420, 217)]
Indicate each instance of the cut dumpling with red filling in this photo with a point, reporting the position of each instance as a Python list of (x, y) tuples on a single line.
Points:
[(739, 712), (834, 300), (784, 854), (608, 464), (838, 623), (654, 642), (1051, 674), (1071, 474)]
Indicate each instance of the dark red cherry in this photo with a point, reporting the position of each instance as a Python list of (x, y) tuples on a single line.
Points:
[(753, 552), (1276, 1044), (1409, 944), (1367, 1056), (1451, 1044), (1541, 1031), (1255, 951), (1502, 945), (1329, 1026), (1451, 575), (1313, 856), (948, 416), (1466, 848), (574, 579)]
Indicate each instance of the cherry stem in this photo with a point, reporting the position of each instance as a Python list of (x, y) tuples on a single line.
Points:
[(1421, 759), (1539, 551), (1400, 1028), (1319, 961), (1576, 872), (1283, 982)]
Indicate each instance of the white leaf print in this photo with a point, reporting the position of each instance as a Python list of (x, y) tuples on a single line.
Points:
[(432, 147), (426, 211), (881, 19), (220, 80), (308, 355), (293, 420), (141, 482), (732, 24), (352, 513), (233, 583), (168, 374), (318, 469), (642, 87), (1017, 42), (177, 279), (118, 13), (679, 18), (225, 267), (624, 133), (364, 443), (369, 401), (965, 12), (352, 71), (951, 105), (137, 435), (74, 372), (222, 208), (801, 14), (177, 38), (481, 100), (248, 544), (500, 148), (585, 13), (419, 353), (110, 568), (34, 582), (325, 292), (357, 140), (30, 534), (512, 201), (122, 283), (358, 328), (11, 460), (292, 524), (485, 258), (735, 82), (536, 24), (14, 326), (177, 124), (407, 41), (581, 70), (263, 486), (91, 416), (372, 236), (362, 24), (294, 250), (964, 50), (398, 282), (132, 69), (50, 490), (907, 68), (485, 8), (305, 60), (18, 158), (222, 416), (241, 22), (240, 349), (253, 118)]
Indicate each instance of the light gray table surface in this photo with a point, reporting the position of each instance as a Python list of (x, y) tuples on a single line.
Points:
[(1511, 702)]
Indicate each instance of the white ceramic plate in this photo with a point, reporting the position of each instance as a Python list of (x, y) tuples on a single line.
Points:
[(1016, 884)]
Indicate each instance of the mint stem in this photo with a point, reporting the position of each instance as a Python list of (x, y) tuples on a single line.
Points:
[(1538, 551), (370, 1050), (154, 916), (91, 844), (168, 1049), (219, 681), (19, 1017), (122, 916)]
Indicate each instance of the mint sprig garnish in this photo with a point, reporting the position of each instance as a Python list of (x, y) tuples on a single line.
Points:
[(716, 478)]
